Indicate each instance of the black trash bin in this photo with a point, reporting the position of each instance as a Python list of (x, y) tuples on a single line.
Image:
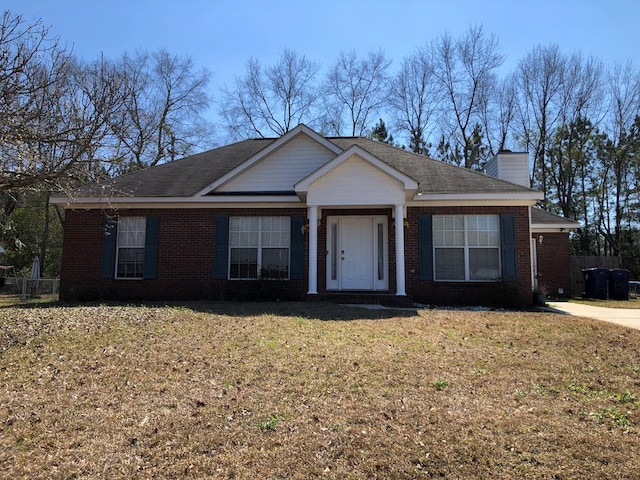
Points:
[(619, 284), (596, 283)]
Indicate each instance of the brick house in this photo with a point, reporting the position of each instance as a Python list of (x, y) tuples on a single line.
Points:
[(304, 216)]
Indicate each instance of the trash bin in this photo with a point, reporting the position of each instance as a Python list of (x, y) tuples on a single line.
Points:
[(619, 284), (596, 283)]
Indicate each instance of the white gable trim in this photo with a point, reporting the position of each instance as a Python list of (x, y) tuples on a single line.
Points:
[(553, 227), (303, 185), (262, 154)]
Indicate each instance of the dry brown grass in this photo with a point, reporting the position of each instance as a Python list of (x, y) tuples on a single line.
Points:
[(304, 390)]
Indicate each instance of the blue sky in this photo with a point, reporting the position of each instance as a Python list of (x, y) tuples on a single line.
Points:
[(221, 35)]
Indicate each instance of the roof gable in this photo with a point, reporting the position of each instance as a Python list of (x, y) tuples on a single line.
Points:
[(276, 156), (354, 181), (281, 169), (367, 159)]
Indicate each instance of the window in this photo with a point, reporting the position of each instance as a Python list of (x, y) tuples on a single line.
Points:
[(466, 247), (259, 247), (130, 247)]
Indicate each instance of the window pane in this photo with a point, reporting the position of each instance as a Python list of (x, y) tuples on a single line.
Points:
[(449, 263), (284, 238), (253, 239), (275, 263), (483, 230), (130, 262), (131, 231), (380, 251), (334, 251), (484, 264), (244, 263), (234, 239), (448, 230), (259, 240)]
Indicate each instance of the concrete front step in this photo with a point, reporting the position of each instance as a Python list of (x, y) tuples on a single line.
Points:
[(369, 298)]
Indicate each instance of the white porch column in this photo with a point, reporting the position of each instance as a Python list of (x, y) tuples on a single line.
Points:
[(399, 223), (313, 250)]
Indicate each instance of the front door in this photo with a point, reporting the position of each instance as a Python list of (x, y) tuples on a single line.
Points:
[(357, 253)]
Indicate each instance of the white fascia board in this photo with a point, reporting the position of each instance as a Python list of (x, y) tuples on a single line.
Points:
[(553, 227), (472, 203), (276, 144), (531, 196), (304, 184), (177, 202)]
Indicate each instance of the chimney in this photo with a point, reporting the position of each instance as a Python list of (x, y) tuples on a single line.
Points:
[(510, 166)]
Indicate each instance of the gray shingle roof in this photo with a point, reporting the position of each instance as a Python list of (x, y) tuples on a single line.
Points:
[(434, 176), (187, 176), (183, 177), (542, 217)]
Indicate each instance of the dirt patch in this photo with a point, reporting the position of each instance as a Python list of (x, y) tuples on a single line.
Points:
[(303, 390)]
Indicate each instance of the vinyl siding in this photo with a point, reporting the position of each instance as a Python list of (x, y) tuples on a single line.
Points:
[(356, 182), (282, 169)]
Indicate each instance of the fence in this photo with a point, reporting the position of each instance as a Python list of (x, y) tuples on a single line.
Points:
[(41, 287), (579, 263)]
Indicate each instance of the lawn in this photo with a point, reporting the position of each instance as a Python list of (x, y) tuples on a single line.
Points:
[(306, 390)]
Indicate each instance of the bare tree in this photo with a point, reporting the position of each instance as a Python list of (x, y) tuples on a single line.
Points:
[(540, 77), (356, 91), (582, 90), (164, 100), (561, 97), (48, 124), (620, 167), (465, 69), (270, 100), (414, 99), (499, 114)]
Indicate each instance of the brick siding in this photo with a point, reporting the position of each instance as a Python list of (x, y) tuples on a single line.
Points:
[(553, 262), (186, 259), (515, 293)]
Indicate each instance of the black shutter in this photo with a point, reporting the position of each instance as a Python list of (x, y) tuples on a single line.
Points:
[(109, 238), (150, 269), (221, 254), (425, 246), (296, 269), (508, 246)]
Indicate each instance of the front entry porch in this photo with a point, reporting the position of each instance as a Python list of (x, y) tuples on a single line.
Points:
[(357, 252)]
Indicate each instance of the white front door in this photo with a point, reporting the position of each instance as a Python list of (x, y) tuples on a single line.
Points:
[(357, 253)]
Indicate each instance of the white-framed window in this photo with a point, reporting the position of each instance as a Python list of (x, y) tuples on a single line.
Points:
[(130, 247), (466, 247), (259, 247)]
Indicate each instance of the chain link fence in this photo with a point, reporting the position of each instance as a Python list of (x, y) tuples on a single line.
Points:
[(28, 288), (39, 288)]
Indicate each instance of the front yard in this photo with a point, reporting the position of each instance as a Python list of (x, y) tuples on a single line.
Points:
[(304, 390)]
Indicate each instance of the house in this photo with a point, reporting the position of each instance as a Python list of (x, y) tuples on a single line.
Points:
[(304, 216)]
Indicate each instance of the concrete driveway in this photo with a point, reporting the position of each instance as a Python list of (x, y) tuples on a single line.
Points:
[(627, 317)]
